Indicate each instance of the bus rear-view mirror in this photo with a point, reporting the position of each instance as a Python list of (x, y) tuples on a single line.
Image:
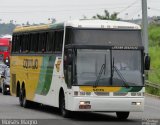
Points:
[(147, 62), (68, 58)]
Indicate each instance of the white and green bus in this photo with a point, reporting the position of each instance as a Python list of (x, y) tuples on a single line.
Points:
[(80, 65)]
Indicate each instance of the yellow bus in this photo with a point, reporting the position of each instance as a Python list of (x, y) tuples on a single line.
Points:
[(80, 65)]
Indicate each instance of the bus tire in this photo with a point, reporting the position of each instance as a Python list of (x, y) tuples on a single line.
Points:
[(18, 90), (4, 90), (122, 115), (22, 99), (65, 113)]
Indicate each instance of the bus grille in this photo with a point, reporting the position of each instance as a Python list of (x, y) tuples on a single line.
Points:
[(120, 93), (102, 93)]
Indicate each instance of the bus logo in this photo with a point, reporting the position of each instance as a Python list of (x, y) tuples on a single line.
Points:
[(30, 63), (98, 90), (58, 65)]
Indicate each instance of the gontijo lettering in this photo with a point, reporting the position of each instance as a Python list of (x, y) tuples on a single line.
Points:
[(30, 63)]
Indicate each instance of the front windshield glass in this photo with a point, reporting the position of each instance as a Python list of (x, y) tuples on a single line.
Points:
[(89, 64), (108, 68), (127, 68), (3, 48)]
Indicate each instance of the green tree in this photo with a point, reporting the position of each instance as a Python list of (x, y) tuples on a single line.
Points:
[(107, 16)]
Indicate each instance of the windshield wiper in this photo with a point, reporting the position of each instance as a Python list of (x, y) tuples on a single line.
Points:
[(99, 75), (119, 74), (103, 67)]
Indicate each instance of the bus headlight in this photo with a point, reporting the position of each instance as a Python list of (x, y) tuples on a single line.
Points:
[(6, 60), (84, 105), (136, 103), (7, 88), (84, 102)]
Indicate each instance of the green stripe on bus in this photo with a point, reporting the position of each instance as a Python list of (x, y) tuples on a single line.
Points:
[(131, 89), (45, 77)]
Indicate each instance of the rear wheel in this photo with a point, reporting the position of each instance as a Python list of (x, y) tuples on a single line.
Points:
[(122, 115), (22, 98), (65, 113), (4, 92)]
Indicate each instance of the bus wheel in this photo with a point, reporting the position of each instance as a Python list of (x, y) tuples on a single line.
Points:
[(4, 90), (64, 112), (122, 115), (22, 99)]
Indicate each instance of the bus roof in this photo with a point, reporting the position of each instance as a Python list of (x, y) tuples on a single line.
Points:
[(107, 24), (38, 27)]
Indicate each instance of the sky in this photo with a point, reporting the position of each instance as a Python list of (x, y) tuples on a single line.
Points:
[(39, 11)]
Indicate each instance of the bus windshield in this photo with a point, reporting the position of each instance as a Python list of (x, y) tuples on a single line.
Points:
[(127, 68), (3, 48), (88, 66), (97, 67), (114, 37)]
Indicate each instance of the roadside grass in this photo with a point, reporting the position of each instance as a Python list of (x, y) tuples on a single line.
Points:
[(154, 35), (154, 73), (154, 52), (152, 91)]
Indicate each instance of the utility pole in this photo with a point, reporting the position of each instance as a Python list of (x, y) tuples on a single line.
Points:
[(145, 36), (145, 26)]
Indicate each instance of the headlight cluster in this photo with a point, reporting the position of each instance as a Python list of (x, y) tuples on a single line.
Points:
[(84, 105), (137, 103)]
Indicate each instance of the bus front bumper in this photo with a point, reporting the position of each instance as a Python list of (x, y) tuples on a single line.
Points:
[(106, 104)]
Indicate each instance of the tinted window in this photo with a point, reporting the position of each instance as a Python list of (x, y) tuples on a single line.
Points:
[(41, 42)]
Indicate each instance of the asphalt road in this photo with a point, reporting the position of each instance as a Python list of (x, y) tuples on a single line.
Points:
[(10, 109)]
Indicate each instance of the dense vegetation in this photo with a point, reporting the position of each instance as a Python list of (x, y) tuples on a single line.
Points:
[(154, 50), (6, 28)]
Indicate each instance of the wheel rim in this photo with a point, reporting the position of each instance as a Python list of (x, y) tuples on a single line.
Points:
[(21, 97), (3, 91), (63, 111)]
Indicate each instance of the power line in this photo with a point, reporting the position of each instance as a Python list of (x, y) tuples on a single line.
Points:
[(72, 5), (40, 11), (137, 12), (129, 6), (155, 9)]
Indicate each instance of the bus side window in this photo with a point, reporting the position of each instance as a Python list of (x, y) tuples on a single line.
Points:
[(36, 42), (34, 39), (47, 41), (50, 41), (42, 42), (68, 36), (28, 43), (17, 43), (20, 47), (59, 40)]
